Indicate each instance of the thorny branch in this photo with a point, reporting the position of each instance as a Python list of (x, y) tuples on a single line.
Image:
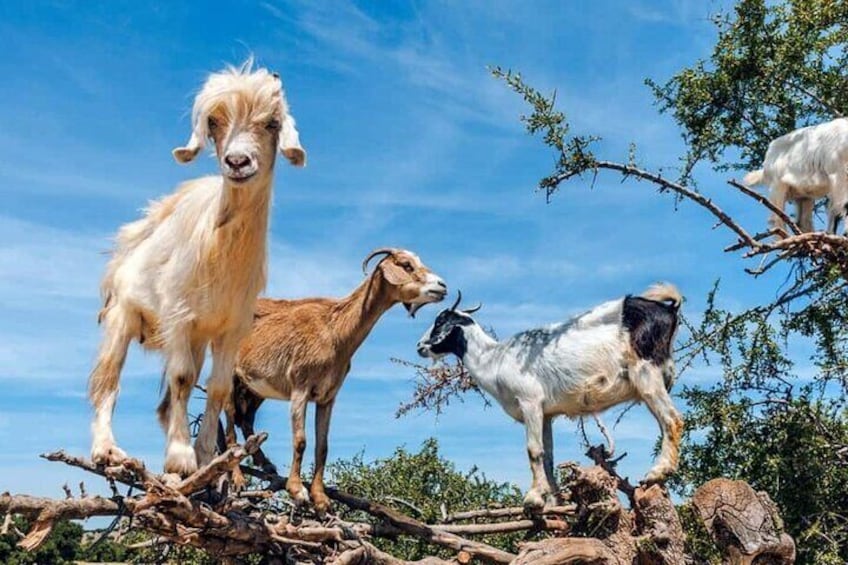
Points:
[(436, 386)]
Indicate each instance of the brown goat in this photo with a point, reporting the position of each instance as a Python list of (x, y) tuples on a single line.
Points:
[(300, 350)]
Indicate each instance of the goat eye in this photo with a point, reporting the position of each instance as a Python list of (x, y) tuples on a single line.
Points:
[(273, 125), (407, 267)]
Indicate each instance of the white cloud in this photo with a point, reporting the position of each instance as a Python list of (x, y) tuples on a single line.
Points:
[(47, 268)]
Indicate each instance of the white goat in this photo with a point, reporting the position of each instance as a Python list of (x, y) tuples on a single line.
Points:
[(187, 274), (617, 352), (804, 165)]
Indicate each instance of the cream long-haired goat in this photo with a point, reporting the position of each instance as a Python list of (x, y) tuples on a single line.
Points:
[(187, 274)]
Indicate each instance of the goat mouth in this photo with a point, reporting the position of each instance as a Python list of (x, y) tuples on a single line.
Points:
[(241, 177), (439, 295)]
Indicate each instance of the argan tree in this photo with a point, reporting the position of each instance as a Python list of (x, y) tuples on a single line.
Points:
[(775, 66)]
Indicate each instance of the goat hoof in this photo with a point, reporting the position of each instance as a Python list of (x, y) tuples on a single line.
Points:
[(171, 480), (107, 453), (180, 459), (299, 495), (534, 502), (237, 480), (321, 505), (656, 476)]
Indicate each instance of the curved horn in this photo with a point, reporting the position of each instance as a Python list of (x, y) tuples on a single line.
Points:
[(381, 251), (458, 299), (472, 310)]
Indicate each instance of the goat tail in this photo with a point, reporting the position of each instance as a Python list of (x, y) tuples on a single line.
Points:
[(664, 292), (753, 178)]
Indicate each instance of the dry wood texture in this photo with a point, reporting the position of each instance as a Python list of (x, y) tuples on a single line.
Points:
[(590, 525)]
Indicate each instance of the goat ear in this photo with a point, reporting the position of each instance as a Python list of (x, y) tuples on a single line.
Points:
[(191, 150), (393, 274), (290, 143)]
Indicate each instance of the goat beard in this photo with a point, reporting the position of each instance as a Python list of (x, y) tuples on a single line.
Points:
[(412, 308)]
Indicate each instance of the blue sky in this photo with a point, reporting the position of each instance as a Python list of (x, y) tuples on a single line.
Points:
[(411, 143)]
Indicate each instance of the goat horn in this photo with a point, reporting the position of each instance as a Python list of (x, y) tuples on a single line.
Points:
[(381, 251), (458, 299), (472, 310)]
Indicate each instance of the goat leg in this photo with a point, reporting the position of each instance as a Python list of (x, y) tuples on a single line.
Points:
[(320, 500), (534, 500), (104, 380), (219, 392), (181, 376), (648, 379), (294, 484), (548, 446)]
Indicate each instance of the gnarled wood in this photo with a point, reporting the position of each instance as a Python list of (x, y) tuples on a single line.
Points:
[(743, 522)]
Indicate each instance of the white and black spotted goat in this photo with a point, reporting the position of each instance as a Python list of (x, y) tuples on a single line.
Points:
[(617, 352)]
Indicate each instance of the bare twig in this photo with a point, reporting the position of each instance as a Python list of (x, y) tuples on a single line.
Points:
[(510, 512), (411, 526)]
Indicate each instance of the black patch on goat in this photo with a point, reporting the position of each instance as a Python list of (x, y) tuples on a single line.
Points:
[(651, 325), (447, 335)]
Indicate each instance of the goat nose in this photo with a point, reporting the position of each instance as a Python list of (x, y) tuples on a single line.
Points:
[(441, 283), (236, 160)]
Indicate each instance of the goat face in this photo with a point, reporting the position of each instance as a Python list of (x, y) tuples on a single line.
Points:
[(445, 335), (245, 114), (410, 281)]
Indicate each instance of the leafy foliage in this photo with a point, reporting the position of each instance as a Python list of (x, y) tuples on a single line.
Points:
[(774, 67), (423, 485), (763, 423), (778, 417)]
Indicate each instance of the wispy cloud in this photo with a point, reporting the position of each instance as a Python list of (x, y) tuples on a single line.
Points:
[(48, 268)]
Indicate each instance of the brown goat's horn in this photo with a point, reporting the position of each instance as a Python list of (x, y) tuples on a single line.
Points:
[(458, 299), (381, 251), (472, 310)]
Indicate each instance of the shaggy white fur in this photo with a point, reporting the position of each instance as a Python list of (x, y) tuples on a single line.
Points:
[(187, 274)]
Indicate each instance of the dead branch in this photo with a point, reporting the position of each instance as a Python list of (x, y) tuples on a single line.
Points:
[(224, 463), (823, 249), (509, 512), (744, 522), (436, 386), (46, 511), (600, 456), (191, 512), (557, 551), (367, 553), (413, 527)]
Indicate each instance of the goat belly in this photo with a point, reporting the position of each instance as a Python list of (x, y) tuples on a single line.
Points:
[(262, 388)]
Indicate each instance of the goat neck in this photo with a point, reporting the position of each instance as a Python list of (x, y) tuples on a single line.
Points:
[(252, 204), (355, 315), (477, 346)]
